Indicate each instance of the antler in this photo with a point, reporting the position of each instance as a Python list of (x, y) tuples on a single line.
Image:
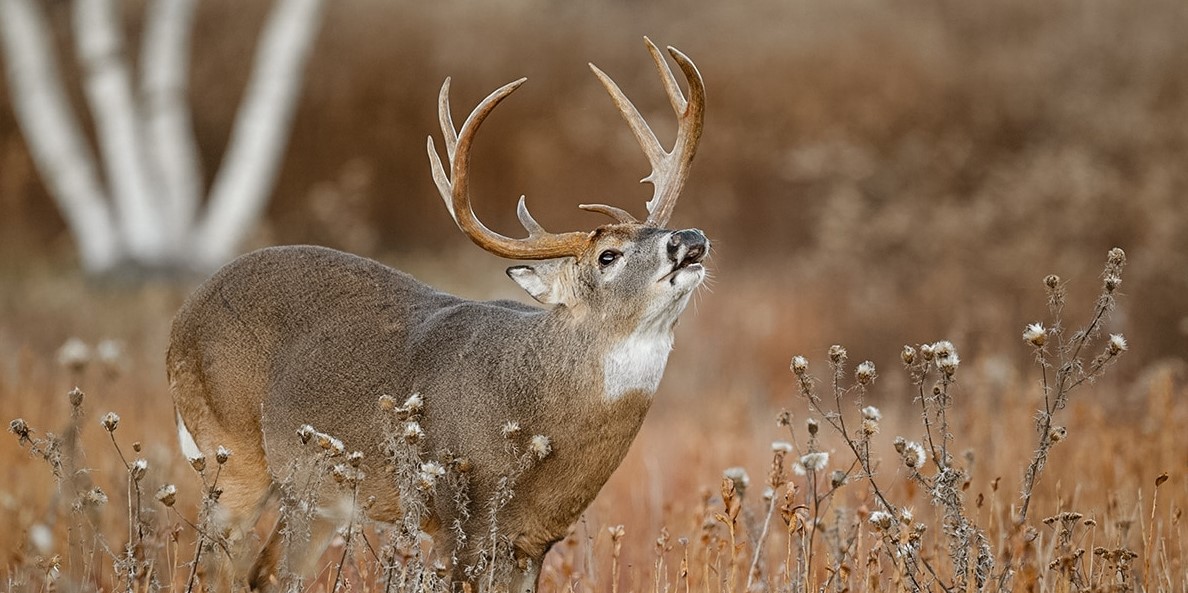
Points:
[(670, 169), (455, 189)]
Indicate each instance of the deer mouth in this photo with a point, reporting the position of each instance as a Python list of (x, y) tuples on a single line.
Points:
[(691, 264)]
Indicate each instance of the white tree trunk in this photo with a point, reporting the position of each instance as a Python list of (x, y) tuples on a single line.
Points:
[(248, 171), (108, 87), (149, 213), (165, 65), (51, 130)]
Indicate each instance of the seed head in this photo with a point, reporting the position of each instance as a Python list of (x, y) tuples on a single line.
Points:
[(20, 428), (948, 365), (927, 351), (870, 427), (430, 472), (413, 433), (799, 365), (1117, 344), (167, 494), (913, 455), (1052, 281), (94, 497), (1036, 334), (944, 349), (510, 429), (1111, 282), (387, 403), (837, 354), (198, 462), (837, 479), (222, 454), (900, 445), (813, 427), (76, 397), (138, 469), (908, 355), (306, 433), (414, 403), (739, 477), (110, 421), (815, 461), (1057, 434), (881, 520), (781, 447), (872, 413), (1116, 257), (74, 354), (539, 446), (355, 458), (865, 373)]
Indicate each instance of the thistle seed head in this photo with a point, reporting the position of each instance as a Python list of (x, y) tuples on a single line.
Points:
[(815, 461), (908, 355), (306, 433), (799, 365), (387, 403), (865, 373), (20, 428), (837, 354), (110, 421), (413, 433), (355, 458), (872, 413), (138, 469), (1052, 281), (881, 520), (1035, 334), (1117, 344), (198, 462), (813, 427), (510, 429), (74, 355), (914, 455), (781, 447), (222, 454), (167, 495), (76, 397), (540, 446)]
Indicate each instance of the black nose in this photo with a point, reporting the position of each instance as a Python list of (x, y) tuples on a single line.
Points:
[(689, 245)]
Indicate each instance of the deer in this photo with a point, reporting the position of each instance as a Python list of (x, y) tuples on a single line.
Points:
[(289, 339)]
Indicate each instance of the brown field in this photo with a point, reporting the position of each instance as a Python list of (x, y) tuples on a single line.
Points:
[(872, 175)]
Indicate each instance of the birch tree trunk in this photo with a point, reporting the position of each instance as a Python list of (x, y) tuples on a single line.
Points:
[(148, 210)]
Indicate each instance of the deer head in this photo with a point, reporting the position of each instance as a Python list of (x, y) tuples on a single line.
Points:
[(628, 270)]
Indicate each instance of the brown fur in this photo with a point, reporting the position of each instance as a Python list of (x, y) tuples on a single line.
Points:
[(289, 336)]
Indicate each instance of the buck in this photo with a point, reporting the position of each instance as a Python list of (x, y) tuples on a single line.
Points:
[(288, 337)]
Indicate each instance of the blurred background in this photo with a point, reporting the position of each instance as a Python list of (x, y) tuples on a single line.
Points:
[(871, 173)]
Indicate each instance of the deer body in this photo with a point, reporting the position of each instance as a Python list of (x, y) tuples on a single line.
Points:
[(292, 336)]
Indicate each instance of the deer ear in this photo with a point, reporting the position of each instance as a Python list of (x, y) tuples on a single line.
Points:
[(543, 282)]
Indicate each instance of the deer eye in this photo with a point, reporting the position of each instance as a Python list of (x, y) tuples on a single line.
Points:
[(608, 257)]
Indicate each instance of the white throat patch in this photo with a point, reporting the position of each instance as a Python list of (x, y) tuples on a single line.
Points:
[(637, 363)]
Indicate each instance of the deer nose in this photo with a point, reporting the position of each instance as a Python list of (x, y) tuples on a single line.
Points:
[(687, 246)]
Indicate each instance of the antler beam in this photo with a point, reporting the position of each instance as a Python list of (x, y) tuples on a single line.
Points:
[(670, 169)]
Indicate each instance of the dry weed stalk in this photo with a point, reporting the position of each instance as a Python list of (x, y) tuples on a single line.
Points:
[(932, 465)]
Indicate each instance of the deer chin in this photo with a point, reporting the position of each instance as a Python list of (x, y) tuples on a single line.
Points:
[(685, 276)]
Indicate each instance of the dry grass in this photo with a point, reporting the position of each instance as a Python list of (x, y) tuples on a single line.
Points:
[(679, 520)]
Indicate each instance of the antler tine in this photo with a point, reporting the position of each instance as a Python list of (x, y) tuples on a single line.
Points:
[(455, 188), (670, 169), (618, 214)]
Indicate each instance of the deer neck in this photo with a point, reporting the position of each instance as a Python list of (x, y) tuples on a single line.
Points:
[(628, 358)]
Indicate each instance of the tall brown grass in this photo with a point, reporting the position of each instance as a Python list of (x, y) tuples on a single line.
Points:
[(704, 502)]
